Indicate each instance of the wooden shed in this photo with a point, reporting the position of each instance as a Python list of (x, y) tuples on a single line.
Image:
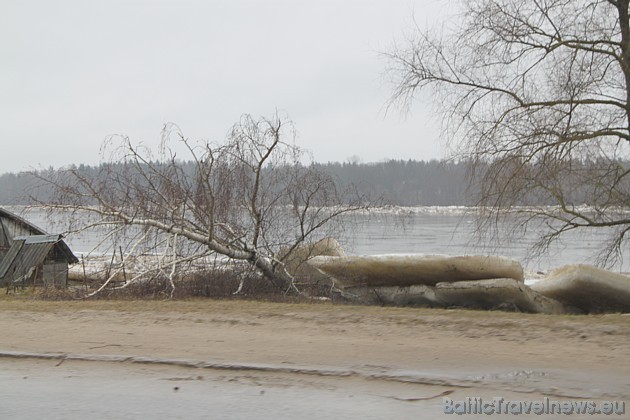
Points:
[(30, 256)]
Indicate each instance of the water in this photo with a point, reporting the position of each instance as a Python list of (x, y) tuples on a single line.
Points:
[(424, 230), (454, 232)]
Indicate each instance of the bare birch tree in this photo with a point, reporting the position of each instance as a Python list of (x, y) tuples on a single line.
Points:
[(537, 95), (250, 199)]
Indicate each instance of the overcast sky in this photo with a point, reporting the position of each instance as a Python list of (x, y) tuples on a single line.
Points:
[(75, 71)]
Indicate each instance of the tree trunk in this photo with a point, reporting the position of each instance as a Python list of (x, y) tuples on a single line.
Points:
[(624, 24)]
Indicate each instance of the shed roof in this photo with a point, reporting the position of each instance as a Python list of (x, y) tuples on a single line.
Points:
[(39, 235), (8, 259), (24, 256), (39, 239)]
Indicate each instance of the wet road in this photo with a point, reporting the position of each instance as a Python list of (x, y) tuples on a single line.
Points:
[(69, 389), (31, 389)]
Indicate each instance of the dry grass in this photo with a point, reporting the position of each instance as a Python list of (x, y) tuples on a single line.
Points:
[(215, 284)]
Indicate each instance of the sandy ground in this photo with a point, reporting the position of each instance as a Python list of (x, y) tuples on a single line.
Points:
[(398, 360)]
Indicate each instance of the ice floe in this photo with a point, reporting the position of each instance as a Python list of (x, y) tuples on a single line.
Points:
[(588, 288), (413, 269)]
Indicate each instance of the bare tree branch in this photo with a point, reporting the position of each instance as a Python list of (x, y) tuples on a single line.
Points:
[(537, 96), (244, 199)]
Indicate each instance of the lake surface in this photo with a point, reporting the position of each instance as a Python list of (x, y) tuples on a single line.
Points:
[(453, 231), (425, 230)]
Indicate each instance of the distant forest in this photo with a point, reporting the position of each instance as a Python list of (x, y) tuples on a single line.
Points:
[(398, 182), (407, 183)]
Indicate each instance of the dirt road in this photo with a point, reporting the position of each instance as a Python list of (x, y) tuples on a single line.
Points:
[(405, 353)]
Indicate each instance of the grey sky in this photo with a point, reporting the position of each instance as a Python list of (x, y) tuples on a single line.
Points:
[(75, 71)]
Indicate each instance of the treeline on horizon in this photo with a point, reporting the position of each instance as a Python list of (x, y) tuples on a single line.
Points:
[(392, 182), (397, 182)]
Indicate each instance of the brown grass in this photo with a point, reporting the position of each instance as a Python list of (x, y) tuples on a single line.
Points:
[(215, 284)]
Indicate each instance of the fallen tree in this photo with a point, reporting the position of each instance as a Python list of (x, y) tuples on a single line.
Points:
[(250, 199)]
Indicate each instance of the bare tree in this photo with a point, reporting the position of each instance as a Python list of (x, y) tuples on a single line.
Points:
[(250, 199), (536, 94)]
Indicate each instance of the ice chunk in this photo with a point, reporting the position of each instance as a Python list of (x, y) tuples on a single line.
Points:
[(496, 294), (416, 295), (411, 269), (586, 287)]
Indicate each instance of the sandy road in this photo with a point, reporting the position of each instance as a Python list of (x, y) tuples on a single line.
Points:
[(392, 355)]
